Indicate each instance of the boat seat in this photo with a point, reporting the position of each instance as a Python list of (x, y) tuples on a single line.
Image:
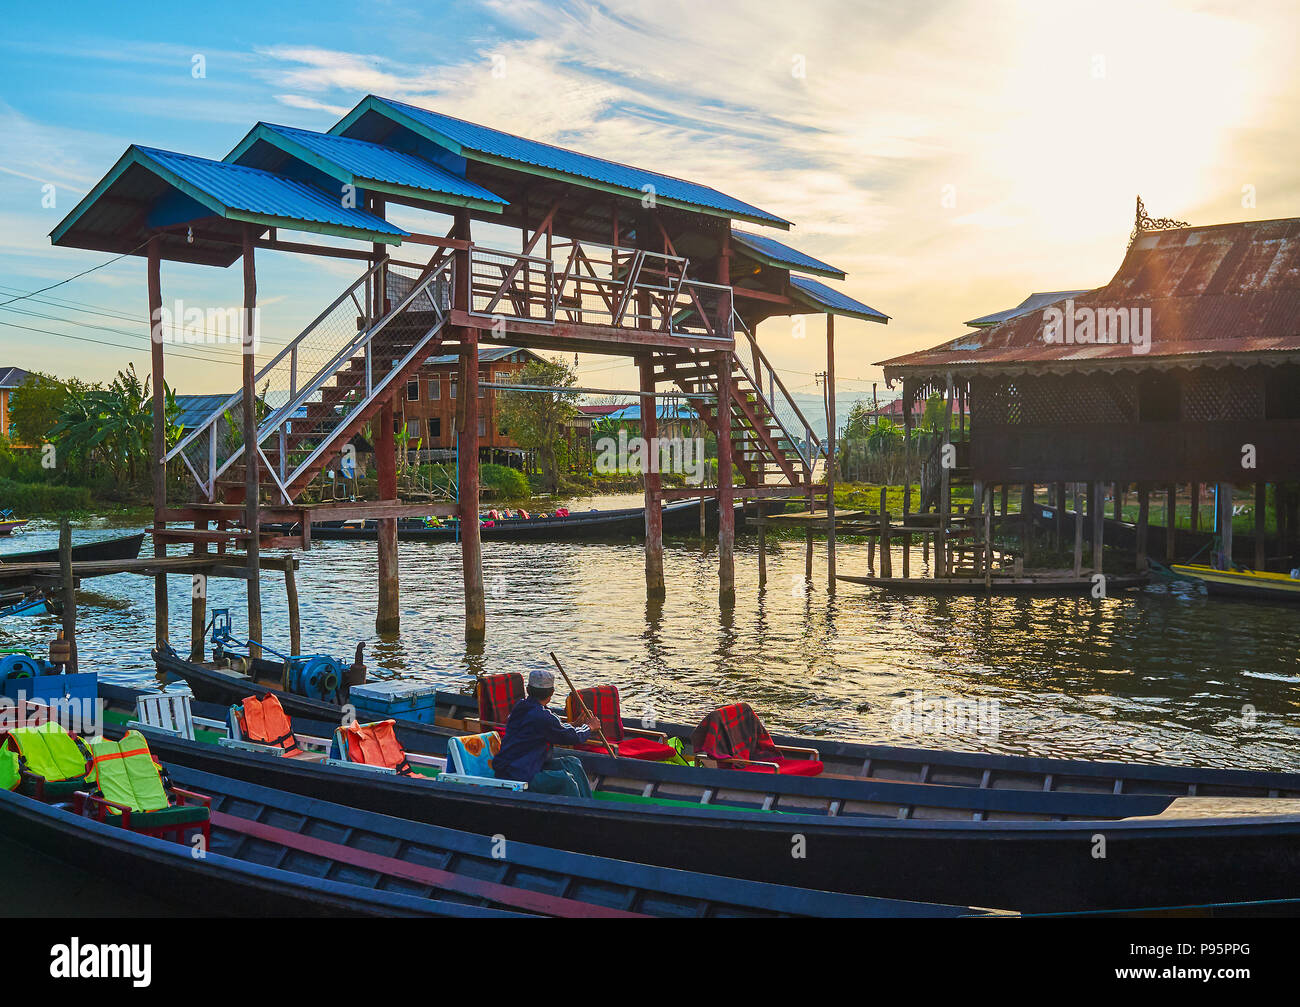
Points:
[(497, 696), (129, 789), (733, 737), (603, 701), (375, 747), (169, 713), (52, 763), (471, 757), (259, 724)]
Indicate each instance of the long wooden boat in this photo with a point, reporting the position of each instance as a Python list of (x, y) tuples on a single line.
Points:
[(10, 525), (123, 547), (595, 526), (1256, 584), (921, 842), (457, 713), (216, 884), (1038, 584)]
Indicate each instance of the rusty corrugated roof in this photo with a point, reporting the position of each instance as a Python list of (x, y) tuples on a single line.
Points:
[(1217, 291)]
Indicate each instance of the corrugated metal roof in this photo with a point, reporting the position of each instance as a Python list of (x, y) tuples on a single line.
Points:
[(663, 411), (1033, 302), (253, 191), (834, 302), (1226, 289), (486, 355), (363, 162), (195, 409), (471, 139), (776, 253)]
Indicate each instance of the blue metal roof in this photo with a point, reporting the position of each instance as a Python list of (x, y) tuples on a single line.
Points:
[(832, 301), (358, 162), (195, 409), (264, 197), (1030, 303), (483, 143), (663, 411), (776, 253), (486, 355)]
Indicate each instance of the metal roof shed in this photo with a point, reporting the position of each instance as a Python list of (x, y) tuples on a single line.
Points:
[(330, 161), (150, 189), (771, 252)]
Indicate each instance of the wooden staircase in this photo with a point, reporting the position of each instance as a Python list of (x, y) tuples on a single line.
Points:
[(357, 364)]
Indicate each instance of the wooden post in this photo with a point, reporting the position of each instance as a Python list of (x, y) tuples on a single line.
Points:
[(1027, 521), (830, 453), (886, 560), (1280, 517), (1144, 516), (1225, 523), (1078, 532), (907, 479), (986, 504), (726, 511), (198, 600), (1058, 526), (467, 442), (158, 446), (1098, 523), (942, 559), (388, 618), (291, 596), (69, 585), (1171, 522), (1261, 506), (654, 515), (252, 479)]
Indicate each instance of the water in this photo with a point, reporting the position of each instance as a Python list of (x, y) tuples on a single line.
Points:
[(1161, 675)]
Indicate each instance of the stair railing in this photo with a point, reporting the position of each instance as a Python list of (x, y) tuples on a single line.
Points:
[(780, 403)]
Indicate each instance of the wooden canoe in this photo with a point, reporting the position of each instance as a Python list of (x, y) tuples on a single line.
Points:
[(1260, 585), (1044, 584)]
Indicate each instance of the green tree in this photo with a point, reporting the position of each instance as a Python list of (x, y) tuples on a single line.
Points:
[(34, 407), (536, 420)]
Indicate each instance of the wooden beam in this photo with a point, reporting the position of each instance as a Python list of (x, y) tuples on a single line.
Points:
[(654, 518), (830, 465), (251, 475), (159, 444), (69, 593), (726, 511)]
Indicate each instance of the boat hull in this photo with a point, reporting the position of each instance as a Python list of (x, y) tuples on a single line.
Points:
[(1243, 583), (123, 547)]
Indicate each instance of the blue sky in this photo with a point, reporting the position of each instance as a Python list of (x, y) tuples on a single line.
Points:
[(951, 156)]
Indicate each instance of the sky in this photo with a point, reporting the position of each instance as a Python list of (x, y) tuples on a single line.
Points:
[(951, 157)]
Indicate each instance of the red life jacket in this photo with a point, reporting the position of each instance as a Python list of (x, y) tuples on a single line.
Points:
[(377, 745), (264, 721)]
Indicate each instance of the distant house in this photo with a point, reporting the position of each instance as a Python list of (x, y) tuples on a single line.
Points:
[(10, 378)]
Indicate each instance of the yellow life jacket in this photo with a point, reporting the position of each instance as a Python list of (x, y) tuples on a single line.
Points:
[(48, 751), (124, 773)]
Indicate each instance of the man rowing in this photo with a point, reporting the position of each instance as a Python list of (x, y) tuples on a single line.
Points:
[(531, 730)]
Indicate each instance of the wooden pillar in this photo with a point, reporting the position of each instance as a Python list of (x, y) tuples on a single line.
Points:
[(1261, 526), (726, 498), (907, 479), (830, 454), (945, 486), (471, 548), (158, 446), (199, 600), (252, 479), (1280, 517), (1058, 526), (291, 597), (69, 585), (1144, 516), (1171, 522), (1078, 532), (986, 505), (1027, 521), (388, 619), (654, 516), (886, 559), (1098, 523), (1225, 523)]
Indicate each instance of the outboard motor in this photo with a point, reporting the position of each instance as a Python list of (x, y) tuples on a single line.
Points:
[(15, 666)]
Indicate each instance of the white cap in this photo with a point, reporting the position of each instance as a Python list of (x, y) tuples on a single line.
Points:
[(541, 678)]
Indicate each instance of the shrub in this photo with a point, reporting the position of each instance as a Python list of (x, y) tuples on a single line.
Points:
[(33, 499)]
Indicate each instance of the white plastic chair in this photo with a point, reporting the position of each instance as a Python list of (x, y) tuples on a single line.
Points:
[(169, 713)]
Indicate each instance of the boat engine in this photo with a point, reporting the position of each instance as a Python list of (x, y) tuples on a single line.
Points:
[(316, 675), (14, 666)]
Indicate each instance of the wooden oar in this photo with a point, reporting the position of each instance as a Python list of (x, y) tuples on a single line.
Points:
[(586, 712)]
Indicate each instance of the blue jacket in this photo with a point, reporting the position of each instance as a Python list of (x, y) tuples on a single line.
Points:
[(531, 730)]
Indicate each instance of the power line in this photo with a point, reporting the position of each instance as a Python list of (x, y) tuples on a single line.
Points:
[(76, 276)]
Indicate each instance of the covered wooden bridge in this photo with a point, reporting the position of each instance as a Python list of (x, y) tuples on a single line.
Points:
[(612, 259)]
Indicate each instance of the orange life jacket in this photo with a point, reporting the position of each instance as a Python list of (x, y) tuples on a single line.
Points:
[(264, 721), (377, 745)]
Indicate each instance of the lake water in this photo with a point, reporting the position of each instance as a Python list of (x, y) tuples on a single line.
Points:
[(1159, 675)]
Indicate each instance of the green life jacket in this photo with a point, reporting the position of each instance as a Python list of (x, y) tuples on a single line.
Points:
[(125, 773), (49, 751), (10, 776)]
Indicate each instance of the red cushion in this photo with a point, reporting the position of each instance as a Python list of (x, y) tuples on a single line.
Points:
[(644, 748), (789, 767)]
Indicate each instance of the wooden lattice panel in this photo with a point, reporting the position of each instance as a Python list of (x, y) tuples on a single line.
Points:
[(1211, 396)]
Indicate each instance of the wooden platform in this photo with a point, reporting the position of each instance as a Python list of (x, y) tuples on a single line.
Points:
[(1047, 583), (47, 574)]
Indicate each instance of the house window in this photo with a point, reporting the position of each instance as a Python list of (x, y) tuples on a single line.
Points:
[(413, 429), (482, 427), (435, 387), (413, 390), (435, 428), (454, 387)]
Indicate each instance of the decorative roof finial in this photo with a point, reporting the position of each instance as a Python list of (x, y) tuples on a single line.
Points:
[(1142, 222)]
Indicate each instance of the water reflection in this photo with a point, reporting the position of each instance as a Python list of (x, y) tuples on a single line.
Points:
[(1163, 675)]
